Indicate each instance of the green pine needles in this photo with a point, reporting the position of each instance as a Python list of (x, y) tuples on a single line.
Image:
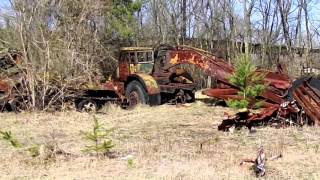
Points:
[(8, 137), (250, 83), (99, 137), (121, 17)]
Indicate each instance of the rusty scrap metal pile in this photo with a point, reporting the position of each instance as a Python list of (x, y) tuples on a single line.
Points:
[(284, 102), (299, 106)]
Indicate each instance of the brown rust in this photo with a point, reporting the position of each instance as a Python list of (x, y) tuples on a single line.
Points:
[(4, 87), (210, 64), (308, 98)]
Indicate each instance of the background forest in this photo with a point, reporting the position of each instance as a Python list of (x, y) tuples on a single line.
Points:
[(73, 38)]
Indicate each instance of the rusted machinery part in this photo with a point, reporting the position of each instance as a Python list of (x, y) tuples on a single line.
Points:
[(302, 107), (181, 97), (219, 68), (278, 84)]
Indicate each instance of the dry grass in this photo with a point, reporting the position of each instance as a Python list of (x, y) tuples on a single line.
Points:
[(163, 142)]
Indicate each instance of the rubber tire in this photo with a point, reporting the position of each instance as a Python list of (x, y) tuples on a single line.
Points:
[(193, 97), (140, 90), (80, 105), (155, 100)]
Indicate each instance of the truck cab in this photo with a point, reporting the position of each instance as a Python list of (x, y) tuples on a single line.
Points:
[(135, 60), (146, 81)]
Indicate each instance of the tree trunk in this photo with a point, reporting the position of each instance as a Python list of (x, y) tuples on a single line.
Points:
[(184, 21)]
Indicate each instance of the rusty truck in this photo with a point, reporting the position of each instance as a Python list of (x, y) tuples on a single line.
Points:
[(153, 76), (142, 77)]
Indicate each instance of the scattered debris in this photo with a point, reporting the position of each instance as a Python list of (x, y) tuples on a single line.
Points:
[(259, 164)]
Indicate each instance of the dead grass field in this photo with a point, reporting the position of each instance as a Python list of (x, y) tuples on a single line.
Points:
[(162, 142)]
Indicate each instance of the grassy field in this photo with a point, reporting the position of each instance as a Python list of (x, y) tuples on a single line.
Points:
[(165, 142)]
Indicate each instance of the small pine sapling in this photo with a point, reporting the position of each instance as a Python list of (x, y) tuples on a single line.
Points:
[(8, 137), (130, 163), (101, 144), (249, 82)]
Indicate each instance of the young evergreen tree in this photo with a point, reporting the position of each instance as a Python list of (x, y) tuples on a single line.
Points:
[(8, 137), (121, 21), (101, 144), (249, 81)]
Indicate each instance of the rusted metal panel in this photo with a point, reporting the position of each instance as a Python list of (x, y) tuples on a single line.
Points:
[(277, 80), (210, 64), (308, 98), (223, 93), (272, 97), (123, 71), (218, 92)]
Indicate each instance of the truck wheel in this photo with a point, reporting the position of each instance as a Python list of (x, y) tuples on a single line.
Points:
[(89, 106), (136, 94)]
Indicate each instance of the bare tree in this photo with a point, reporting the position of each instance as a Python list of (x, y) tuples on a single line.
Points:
[(284, 10), (248, 8)]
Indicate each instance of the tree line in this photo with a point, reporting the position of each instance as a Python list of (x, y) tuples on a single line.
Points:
[(74, 38)]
